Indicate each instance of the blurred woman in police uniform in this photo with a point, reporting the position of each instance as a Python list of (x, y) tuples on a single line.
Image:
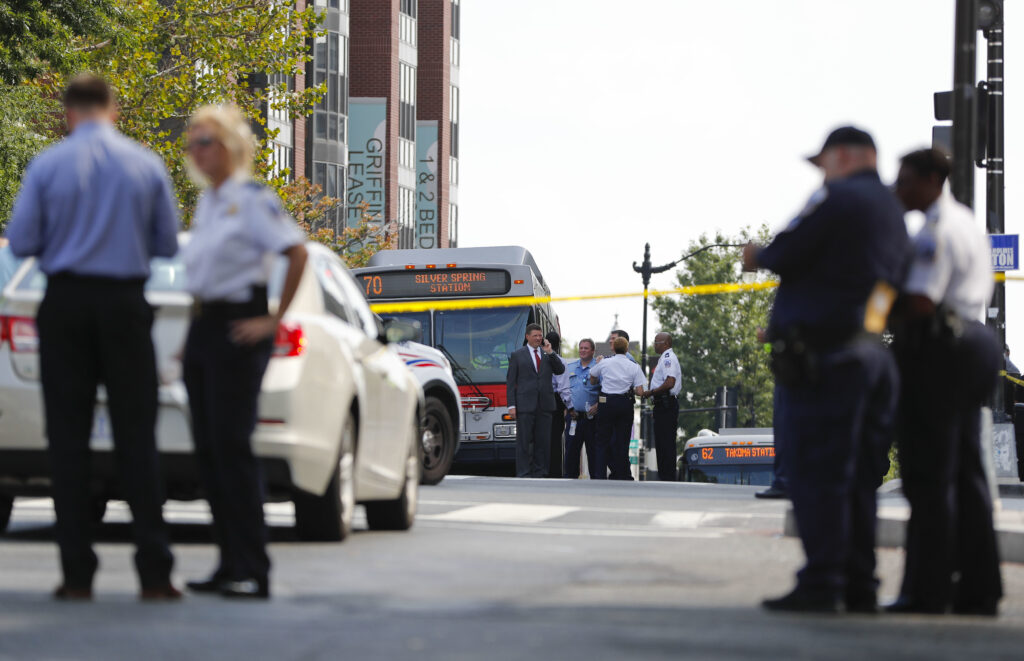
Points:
[(238, 228), (949, 365), (617, 375)]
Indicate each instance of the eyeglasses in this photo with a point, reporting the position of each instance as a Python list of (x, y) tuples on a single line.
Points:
[(202, 141)]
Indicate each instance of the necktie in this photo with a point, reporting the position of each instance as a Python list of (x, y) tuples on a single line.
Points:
[(536, 358)]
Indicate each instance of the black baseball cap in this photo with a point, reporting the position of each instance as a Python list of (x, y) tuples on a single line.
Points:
[(844, 135)]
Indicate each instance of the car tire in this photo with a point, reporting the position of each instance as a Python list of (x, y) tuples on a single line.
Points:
[(400, 513), (328, 517), (438, 441), (6, 507)]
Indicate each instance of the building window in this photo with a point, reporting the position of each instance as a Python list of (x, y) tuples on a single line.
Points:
[(408, 7), (453, 171), (406, 215), (407, 22), (333, 4), (330, 177), (453, 226), (330, 64), (407, 102), (454, 118), (456, 19), (407, 153)]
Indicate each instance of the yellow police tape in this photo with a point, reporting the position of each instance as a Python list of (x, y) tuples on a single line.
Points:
[(515, 301), (1011, 379)]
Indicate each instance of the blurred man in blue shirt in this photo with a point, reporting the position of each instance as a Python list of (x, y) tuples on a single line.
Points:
[(94, 209), (580, 423)]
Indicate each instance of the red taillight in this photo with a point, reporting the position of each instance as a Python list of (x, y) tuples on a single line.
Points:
[(290, 340), (21, 333)]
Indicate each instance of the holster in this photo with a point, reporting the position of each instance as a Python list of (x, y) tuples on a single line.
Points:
[(793, 361)]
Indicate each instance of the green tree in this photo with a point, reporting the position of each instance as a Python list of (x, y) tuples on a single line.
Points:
[(715, 336), (37, 36), (28, 121)]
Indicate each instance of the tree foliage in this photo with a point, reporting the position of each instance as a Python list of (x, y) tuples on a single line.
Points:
[(37, 36), (28, 121), (715, 337)]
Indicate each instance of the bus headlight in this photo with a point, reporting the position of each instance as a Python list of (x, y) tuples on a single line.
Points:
[(505, 431)]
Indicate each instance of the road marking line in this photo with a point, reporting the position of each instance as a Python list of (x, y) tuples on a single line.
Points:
[(503, 513), (670, 519), (574, 532)]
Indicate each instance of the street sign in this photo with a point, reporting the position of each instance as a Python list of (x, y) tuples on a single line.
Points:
[(1005, 252)]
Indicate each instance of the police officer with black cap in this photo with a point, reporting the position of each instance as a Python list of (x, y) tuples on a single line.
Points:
[(949, 365), (839, 261)]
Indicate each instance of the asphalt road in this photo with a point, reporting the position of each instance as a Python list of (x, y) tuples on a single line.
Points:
[(494, 569)]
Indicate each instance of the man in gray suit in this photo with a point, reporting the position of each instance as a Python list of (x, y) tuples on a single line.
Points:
[(531, 401)]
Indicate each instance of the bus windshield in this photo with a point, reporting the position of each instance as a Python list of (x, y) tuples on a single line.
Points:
[(481, 340), (746, 474)]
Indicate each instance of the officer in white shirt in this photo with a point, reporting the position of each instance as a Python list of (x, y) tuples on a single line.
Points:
[(238, 231), (666, 382), (617, 376), (949, 365)]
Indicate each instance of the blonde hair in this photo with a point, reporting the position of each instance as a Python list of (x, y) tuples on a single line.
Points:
[(620, 344), (232, 130)]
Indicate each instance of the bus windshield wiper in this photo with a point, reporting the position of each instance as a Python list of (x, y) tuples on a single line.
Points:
[(460, 374)]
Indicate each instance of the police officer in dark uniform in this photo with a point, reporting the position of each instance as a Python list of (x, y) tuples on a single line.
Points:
[(949, 365), (839, 261)]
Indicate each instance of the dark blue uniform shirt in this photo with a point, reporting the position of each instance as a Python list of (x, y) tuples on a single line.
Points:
[(829, 258)]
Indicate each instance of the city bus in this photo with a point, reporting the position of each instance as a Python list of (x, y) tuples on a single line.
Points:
[(731, 456), (477, 342)]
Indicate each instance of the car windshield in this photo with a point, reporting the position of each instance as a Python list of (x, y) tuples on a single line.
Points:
[(422, 318), (167, 274), (756, 475), (481, 340)]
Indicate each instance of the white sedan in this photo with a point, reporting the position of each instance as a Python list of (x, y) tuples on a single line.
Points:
[(338, 413)]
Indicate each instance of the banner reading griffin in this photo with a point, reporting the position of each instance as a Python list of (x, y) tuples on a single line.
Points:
[(426, 184), (367, 168)]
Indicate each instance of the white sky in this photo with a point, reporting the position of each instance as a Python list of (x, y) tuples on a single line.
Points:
[(589, 127)]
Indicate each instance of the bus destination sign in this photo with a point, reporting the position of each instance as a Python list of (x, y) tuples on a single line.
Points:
[(436, 283), (743, 454)]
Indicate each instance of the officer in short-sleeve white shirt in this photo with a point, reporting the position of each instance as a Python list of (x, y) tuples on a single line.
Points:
[(666, 382)]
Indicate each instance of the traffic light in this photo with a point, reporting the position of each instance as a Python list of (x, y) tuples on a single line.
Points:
[(942, 135), (990, 14)]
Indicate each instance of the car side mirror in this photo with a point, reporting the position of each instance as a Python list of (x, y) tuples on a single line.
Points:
[(401, 330)]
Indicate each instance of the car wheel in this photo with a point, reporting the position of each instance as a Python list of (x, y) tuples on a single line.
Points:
[(400, 513), (328, 518), (6, 507), (438, 440)]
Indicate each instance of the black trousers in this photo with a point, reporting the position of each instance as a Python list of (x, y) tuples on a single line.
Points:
[(91, 331), (223, 381), (533, 443), (950, 529), (555, 457), (837, 435), (780, 410), (666, 424), (614, 423), (585, 437)]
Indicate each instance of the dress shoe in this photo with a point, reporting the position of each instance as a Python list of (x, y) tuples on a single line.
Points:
[(64, 593), (979, 610), (160, 593), (772, 492), (907, 606), (802, 602), (247, 588), (861, 606), (209, 586)]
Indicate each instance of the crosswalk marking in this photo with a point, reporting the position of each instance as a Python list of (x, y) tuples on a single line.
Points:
[(677, 519), (503, 513)]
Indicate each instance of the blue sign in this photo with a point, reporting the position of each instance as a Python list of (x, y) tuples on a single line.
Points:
[(1005, 252), (427, 216), (367, 165)]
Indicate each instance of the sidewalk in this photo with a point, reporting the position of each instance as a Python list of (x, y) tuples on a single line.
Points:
[(893, 512)]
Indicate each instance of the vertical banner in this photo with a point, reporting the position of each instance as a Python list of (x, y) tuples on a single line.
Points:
[(367, 165), (427, 185)]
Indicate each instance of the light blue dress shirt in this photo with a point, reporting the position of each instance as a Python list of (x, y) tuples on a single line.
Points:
[(584, 395), (95, 204)]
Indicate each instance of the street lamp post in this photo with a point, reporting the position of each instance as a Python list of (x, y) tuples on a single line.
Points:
[(646, 270)]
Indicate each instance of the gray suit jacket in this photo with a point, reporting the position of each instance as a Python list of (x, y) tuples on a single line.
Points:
[(528, 389)]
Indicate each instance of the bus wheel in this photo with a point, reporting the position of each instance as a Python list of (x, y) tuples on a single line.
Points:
[(438, 441)]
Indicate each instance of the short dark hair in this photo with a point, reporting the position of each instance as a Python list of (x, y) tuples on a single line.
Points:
[(620, 333), (532, 327), (554, 340), (926, 162), (88, 91)]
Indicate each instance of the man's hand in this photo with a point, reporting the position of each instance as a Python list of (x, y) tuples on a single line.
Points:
[(512, 414), (750, 256), (250, 331), (598, 359), (546, 346), (639, 390)]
